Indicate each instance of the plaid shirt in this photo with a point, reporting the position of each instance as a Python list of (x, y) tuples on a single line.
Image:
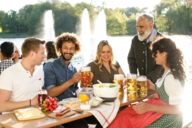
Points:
[(5, 64)]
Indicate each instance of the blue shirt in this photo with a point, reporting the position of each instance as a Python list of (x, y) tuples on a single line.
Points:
[(57, 73)]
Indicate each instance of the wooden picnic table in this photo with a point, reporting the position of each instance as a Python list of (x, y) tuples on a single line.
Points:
[(9, 120)]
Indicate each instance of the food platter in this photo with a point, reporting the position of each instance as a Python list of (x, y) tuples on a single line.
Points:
[(29, 113)]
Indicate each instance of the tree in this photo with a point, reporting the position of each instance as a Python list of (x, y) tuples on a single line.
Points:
[(116, 22)]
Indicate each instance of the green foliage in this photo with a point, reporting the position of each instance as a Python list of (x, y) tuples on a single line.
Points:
[(116, 22), (65, 21), (173, 16)]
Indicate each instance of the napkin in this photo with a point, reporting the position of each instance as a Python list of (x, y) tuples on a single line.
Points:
[(106, 112)]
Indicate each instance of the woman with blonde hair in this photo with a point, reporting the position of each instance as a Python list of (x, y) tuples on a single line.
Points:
[(104, 66)]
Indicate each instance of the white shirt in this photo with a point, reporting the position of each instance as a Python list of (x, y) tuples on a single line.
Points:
[(21, 83), (173, 88)]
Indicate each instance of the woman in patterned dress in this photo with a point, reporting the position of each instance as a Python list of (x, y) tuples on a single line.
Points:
[(169, 86)]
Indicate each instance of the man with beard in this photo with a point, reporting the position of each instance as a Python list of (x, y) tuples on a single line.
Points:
[(60, 76), (140, 58)]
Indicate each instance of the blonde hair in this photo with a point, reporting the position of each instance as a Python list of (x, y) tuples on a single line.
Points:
[(99, 61)]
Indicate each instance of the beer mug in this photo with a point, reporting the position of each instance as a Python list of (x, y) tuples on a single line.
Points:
[(131, 80), (142, 85), (132, 89), (42, 95), (86, 77), (118, 79)]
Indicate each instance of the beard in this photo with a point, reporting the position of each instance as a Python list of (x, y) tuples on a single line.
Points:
[(67, 56), (143, 36)]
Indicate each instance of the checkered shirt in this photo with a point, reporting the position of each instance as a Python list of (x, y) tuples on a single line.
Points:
[(5, 64)]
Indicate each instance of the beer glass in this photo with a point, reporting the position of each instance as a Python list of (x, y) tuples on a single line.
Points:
[(131, 80), (132, 89), (119, 80), (86, 77), (42, 95), (142, 85)]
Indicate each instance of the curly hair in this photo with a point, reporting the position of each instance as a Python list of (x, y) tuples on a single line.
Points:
[(174, 56), (67, 37)]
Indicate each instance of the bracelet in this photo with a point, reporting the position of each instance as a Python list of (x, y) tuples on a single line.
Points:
[(30, 102)]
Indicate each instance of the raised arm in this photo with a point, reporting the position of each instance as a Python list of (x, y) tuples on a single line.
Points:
[(57, 90)]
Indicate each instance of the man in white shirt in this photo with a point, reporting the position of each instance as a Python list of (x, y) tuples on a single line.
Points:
[(20, 83)]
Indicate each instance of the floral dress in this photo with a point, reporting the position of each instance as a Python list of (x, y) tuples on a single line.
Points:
[(167, 120)]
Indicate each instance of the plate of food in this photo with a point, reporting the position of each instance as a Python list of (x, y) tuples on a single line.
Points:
[(71, 103), (28, 113), (96, 101), (61, 112)]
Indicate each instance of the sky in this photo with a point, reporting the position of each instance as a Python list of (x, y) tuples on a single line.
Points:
[(7, 5)]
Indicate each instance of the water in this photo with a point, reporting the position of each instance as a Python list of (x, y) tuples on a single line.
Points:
[(100, 30), (90, 37), (85, 35), (48, 32)]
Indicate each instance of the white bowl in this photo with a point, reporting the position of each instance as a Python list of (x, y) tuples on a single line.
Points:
[(106, 90)]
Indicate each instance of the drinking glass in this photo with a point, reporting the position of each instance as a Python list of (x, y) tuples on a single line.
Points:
[(142, 85), (84, 97), (119, 80), (132, 89), (42, 95), (86, 77)]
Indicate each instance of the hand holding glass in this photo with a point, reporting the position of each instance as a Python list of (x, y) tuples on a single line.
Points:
[(86, 77)]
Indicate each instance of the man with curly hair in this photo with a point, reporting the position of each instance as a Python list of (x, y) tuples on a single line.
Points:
[(61, 76)]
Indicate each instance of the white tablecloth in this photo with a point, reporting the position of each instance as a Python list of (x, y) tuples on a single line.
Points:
[(106, 112)]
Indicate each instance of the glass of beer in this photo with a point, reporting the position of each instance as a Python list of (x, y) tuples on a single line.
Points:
[(86, 77), (42, 95), (119, 80), (132, 89), (142, 85), (131, 80)]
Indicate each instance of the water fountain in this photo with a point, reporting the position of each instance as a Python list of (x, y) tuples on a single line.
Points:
[(85, 34), (100, 26), (48, 32), (100, 30), (89, 38)]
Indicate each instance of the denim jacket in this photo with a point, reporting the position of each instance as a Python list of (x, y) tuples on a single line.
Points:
[(57, 73)]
